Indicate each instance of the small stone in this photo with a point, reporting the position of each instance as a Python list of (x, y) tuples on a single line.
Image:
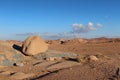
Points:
[(53, 58), (61, 41), (50, 59), (18, 64), (93, 58), (82, 41), (81, 59), (58, 58)]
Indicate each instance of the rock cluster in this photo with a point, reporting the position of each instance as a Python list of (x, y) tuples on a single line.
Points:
[(34, 47), (11, 55)]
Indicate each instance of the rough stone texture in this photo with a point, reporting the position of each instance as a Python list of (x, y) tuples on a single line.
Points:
[(21, 76), (11, 57), (93, 58), (34, 45), (61, 41), (82, 40), (8, 55), (52, 55)]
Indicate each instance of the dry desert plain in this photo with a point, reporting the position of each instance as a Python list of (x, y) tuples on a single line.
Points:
[(73, 59)]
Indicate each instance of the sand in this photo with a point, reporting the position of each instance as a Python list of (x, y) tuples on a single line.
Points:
[(105, 68)]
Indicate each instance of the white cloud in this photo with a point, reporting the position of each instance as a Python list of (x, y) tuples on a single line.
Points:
[(60, 35), (75, 33), (27, 34), (99, 25), (80, 28)]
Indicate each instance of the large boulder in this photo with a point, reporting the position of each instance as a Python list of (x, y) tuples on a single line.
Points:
[(34, 45)]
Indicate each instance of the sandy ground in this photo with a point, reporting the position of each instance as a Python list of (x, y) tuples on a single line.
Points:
[(107, 66)]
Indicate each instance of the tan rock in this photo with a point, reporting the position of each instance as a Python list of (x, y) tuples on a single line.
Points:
[(53, 58), (93, 58), (6, 73), (9, 55), (50, 59), (61, 41), (34, 45), (20, 75), (82, 40)]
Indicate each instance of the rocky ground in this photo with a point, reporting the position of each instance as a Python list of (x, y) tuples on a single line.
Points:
[(75, 59)]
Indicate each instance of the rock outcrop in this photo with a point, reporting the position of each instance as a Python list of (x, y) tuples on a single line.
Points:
[(34, 45), (8, 55)]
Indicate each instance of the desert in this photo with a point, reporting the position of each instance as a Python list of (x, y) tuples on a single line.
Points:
[(59, 39), (72, 59)]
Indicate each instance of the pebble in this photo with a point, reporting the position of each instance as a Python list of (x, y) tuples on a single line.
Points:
[(93, 58)]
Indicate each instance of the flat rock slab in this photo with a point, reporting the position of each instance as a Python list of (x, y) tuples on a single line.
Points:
[(11, 75), (6, 73), (21, 75), (54, 54), (8, 55), (62, 65)]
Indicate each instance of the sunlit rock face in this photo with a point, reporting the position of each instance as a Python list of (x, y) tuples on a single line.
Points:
[(34, 45)]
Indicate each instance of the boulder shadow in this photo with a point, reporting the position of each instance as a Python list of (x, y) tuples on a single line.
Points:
[(18, 48)]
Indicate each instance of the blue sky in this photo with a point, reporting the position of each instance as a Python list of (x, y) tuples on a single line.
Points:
[(53, 19)]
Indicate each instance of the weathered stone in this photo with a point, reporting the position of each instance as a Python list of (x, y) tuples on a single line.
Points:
[(93, 58), (7, 73), (8, 55), (18, 64), (82, 40), (61, 41), (52, 55), (50, 59), (20, 75), (34, 45)]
